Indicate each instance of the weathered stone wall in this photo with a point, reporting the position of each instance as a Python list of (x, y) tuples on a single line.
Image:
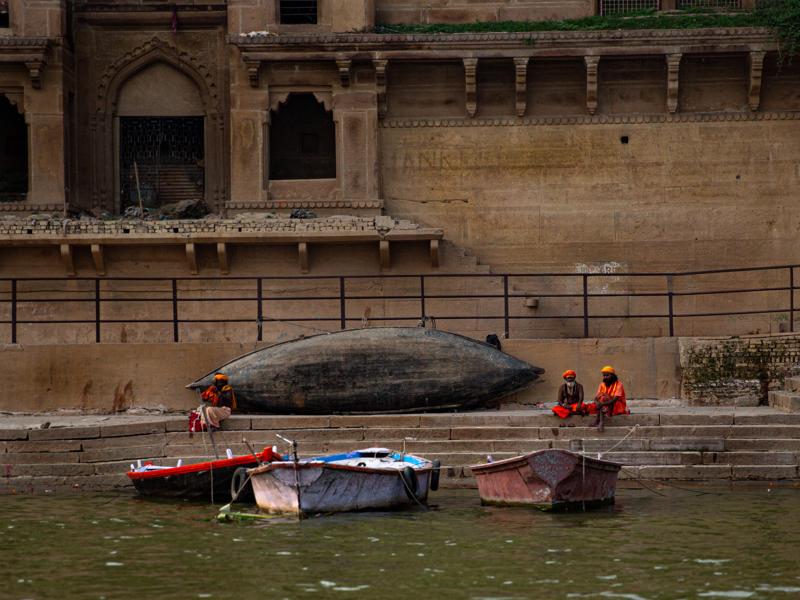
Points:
[(738, 371), (469, 11)]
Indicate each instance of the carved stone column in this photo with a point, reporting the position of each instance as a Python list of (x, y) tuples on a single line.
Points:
[(470, 70), (592, 63), (380, 85), (521, 70), (754, 88), (673, 80)]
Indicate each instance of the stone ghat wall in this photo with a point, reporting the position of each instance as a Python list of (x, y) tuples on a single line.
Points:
[(737, 371)]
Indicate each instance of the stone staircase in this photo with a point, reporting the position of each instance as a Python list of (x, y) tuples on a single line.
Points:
[(679, 443), (787, 399)]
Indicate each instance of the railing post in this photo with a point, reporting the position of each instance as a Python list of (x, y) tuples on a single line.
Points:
[(175, 310), (422, 296), (96, 311), (13, 311), (670, 307), (342, 307), (585, 305), (260, 312), (791, 299), (505, 307)]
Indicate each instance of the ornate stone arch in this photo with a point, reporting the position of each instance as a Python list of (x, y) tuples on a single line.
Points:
[(103, 121)]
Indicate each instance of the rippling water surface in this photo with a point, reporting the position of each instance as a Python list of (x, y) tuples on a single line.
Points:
[(731, 543)]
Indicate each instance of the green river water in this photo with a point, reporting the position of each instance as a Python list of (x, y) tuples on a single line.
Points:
[(729, 543)]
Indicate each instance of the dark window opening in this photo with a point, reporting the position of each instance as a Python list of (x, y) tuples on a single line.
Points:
[(624, 139), (161, 160), (4, 21), (302, 140), (298, 12), (13, 152)]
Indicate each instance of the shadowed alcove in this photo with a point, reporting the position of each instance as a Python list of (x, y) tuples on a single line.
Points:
[(302, 140), (13, 152)]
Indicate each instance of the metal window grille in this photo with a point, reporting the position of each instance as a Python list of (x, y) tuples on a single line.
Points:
[(617, 7), (298, 12), (682, 4)]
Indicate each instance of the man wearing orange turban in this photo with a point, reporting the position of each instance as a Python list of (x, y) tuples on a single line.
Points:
[(570, 397), (222, 399), (610, 398)]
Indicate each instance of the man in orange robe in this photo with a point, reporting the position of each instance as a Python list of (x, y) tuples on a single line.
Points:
[(570, 397), (610, 398), (222, 399)]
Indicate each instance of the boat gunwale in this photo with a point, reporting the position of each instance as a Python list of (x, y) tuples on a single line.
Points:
[(193, 468), (506, 463), (310, 465)]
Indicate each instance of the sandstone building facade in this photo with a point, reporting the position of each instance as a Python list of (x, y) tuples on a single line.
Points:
[(554, 151)]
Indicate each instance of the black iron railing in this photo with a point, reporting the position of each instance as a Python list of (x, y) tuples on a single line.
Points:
[(574, 297)]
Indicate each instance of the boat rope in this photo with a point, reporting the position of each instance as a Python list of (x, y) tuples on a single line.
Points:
[(410, 491), (601, 453)]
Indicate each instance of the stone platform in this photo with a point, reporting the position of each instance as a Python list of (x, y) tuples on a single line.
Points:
[(93, 452)]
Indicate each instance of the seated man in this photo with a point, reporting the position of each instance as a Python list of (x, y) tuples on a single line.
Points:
[(570, 397), (222, 399), (610, 398)]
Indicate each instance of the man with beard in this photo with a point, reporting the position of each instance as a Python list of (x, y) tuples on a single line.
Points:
[(570, 397), (610, 398)]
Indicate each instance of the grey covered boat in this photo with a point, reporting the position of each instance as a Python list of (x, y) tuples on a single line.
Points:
[(374, 370)]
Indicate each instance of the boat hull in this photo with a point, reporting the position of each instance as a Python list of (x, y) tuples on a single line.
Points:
[(375, 370), (307, 489), (548, 479), (210, 481)]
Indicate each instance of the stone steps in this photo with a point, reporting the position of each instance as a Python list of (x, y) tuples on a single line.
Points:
[(679, 443), (785, 400)]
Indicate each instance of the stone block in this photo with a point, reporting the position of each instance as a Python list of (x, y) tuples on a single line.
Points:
[(125, 453), (44, 446), (13, 434), (517, 446), (420, 434), (152, 439), (289, 422), (64, 433), (693, 419), (495, 433), (699, 444), (374, 421), (126, 429), (180, 424), (33, 458), (654, 458), (686, 473), (112, 467), (787, 401), (237, 423), (572, 433), (758, 445), (764, 472), (601, 445), (766, 431), (463, 420), (31, 485), (750, 458), (49, 469), (768, 419)]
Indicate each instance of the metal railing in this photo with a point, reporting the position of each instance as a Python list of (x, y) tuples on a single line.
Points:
[(575, 297)]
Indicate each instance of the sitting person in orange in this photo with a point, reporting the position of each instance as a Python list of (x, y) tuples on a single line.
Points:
[(570, 397), (610, 398), (222, 399)]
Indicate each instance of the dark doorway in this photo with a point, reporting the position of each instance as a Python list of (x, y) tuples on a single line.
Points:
[(4, 21), (13, 152), (297, 12), (302, 140), (161, 160)]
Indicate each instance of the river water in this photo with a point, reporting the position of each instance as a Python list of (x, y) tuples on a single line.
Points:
[(678, 543)]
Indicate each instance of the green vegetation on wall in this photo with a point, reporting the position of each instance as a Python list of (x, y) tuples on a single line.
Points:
[(781, 15)]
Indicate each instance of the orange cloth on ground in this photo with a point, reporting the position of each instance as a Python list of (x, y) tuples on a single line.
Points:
[(615, 390), (567, 411)]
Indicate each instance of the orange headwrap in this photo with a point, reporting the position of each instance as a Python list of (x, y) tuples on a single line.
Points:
[(569, 373), (220, 377), (608, 369)]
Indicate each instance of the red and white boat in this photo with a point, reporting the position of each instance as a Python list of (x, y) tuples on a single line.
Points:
[(548, 479)]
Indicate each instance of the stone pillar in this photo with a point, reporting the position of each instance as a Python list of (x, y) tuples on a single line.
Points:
[(470, 71), (46, 159), (756, 63), (521, 84), (673, 80), (592, 64), (356, 117)]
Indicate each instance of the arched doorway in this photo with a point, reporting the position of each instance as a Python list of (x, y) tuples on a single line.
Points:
[(13, 152), (161, 138), (302, 140)]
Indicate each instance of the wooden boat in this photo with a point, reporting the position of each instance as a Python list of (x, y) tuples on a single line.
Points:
[(548, 479), (374, 370), (375, 478), (211, 480)]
